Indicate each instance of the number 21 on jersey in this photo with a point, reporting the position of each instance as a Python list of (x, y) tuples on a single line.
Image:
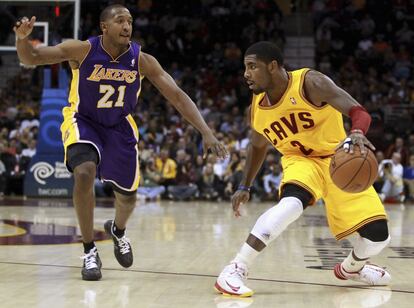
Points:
[(108, 91)]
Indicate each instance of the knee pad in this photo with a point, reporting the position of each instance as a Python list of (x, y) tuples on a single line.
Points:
[(292, 190), (365, 248), (376, 231), (272, 222)]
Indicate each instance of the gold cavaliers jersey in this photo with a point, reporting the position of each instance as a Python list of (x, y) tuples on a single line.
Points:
[(294, 126)]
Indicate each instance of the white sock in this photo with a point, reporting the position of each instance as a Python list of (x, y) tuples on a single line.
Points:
[(246, 255), (351, 265)]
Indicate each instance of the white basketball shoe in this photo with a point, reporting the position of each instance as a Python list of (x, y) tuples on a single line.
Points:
[(231, 280), (370, 274)]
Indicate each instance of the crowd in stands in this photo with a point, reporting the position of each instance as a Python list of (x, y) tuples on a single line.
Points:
[(19, 124), (201, 44), (366, 47)]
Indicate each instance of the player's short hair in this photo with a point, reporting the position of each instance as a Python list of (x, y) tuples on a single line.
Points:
[(266, 52), (107, 12)]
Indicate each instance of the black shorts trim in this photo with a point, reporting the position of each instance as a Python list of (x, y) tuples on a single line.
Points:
[(79, 153), (294, 190)]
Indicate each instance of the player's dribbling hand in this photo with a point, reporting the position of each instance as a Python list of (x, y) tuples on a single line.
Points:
[(24, 27), (353, 139), (210, 143), (239, 197)]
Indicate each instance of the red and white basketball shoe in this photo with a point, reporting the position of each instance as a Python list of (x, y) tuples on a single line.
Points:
[(231, 280), (370, 274)]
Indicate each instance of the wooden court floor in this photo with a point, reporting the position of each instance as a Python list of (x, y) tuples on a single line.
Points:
[(179, 248)]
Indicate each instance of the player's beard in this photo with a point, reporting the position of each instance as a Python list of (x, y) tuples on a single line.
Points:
[(257, 91), (260, 89)]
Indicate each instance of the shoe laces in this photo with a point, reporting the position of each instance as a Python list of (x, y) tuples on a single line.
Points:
[(90, 259), (124, 245), (238, 270), (371, 275)]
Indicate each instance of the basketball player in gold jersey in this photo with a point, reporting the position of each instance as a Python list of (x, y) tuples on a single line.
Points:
[(300, 114)]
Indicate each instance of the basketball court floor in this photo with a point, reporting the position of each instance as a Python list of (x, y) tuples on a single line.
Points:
[(179, 249)]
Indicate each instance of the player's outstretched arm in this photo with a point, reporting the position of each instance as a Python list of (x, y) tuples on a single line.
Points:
[(320, 89), (256, 154), (70, 50), (150, 68)]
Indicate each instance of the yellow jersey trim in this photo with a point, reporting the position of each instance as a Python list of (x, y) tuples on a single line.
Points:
[(87, 54), (116, 59), (74, 90), (280, 101), (302, 94), (136, 134), (133, 126)]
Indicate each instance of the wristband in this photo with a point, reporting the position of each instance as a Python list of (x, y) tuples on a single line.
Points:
[(360, 119), (356, 131), (245, 188)]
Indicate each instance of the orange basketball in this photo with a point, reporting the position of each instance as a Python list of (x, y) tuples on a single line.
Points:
[(355, 172)]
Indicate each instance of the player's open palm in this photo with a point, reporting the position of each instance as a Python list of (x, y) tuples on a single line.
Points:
[(24, 27), (240, 197), (216, 147)]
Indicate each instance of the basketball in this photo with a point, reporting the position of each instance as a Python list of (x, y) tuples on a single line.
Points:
[(355, 172)]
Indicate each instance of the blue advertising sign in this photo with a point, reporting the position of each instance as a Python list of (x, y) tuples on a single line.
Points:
[(47, 174)]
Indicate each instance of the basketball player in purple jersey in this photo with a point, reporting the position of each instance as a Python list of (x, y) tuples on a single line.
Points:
[(99, 134)]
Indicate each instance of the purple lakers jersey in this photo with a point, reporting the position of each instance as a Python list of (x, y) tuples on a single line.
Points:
[(105, 89)]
